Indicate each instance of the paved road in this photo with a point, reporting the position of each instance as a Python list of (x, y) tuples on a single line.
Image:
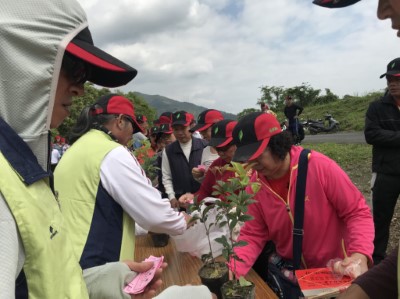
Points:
[(345, 137)]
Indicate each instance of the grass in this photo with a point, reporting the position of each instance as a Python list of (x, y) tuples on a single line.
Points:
[(349, 111), (355, 159)]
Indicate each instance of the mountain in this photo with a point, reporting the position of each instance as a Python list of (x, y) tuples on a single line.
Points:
[(162, 104)]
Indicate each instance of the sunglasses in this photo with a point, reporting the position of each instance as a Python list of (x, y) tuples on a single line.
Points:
[(76, 69)]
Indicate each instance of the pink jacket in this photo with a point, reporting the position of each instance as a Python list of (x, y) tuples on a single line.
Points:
[(336, 217)]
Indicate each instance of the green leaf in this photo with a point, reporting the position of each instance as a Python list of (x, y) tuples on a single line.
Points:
[(232, 224), (243, 282), (240, 135), (240, 243), (245, 217)]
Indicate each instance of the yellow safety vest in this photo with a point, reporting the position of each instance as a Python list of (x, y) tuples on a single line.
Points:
[(51, 268), (98, 235)]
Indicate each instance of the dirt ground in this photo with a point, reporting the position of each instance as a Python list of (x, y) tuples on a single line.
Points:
[(361, 177)]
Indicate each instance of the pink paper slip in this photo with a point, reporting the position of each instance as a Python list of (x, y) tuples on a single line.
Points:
[(138, 284)]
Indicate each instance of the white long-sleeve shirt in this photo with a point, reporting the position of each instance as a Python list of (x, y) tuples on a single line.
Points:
[(167, 179), (126, 182)]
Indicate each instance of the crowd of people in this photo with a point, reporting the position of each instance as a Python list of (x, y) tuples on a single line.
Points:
[(67, 226)]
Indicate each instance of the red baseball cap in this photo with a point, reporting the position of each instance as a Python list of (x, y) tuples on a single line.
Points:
[(252, 134), (165, 118), (116, 104), (221, 132), (105, 70), (206, 119), (182, 118), (141, 118)]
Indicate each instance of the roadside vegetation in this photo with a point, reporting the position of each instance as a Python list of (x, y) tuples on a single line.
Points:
[(349, 110)]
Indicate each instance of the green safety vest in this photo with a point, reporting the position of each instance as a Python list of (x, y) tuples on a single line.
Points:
[(77, 180), (51, 268)]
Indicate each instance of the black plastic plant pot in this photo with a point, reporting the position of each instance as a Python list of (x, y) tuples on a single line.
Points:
[(214, 279), (159, 240), (228, 291)]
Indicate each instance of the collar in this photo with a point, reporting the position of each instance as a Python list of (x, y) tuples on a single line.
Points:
[(388, 99), (19, 155)]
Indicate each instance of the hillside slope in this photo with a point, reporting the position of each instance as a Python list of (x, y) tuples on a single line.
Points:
[(162, 104), (349, 111)]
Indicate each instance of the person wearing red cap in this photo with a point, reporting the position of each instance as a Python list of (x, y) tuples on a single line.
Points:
[(333, 205), (204, 122), (180, 157), (46, 56), (221, 141), (165, 118), (107, 177)]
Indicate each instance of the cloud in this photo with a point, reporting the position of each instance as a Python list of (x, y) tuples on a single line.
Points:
[(217, 53)]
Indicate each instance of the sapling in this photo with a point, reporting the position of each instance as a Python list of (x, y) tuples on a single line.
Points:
[(202, 210), (232, 209)]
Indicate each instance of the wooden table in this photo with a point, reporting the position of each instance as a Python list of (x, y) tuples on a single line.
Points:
[(182, 267)]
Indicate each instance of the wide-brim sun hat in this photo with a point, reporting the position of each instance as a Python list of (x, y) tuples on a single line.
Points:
[(221, 133), (252, 134), (106, 70)]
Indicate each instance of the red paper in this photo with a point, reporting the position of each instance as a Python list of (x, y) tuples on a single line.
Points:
[(319, 281)]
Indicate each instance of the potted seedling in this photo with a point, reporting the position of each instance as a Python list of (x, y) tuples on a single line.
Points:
[(213, 274), (232, 210)]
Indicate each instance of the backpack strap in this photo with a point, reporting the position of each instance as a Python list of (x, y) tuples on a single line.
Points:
[(299, 208)]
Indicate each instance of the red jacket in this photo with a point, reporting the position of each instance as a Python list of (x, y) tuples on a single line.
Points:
[(215, 172), (336, 217)]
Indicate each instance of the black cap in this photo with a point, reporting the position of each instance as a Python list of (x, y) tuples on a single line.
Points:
[(221, 133), (141, 118), (206, 119), (181, 118), (106, 70), (252, 134), (154, 130), (393, 68)]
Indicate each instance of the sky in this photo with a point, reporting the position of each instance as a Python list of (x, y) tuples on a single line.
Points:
[(218, 53)]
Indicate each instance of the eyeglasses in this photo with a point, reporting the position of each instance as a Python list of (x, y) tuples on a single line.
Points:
[(128, 118), (76, 69)]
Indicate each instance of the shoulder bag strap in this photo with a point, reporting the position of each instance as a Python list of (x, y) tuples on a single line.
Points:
[(299, 208)]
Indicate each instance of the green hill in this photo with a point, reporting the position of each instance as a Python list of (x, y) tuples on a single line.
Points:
[(349, 111), (162, 104)]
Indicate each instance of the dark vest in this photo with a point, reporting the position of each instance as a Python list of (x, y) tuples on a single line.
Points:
[(181, 169)]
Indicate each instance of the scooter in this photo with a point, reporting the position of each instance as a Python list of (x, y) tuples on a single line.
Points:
[(318, 126)]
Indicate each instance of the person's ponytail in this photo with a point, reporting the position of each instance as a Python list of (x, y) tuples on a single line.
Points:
[(87, 121), (83, 125)]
